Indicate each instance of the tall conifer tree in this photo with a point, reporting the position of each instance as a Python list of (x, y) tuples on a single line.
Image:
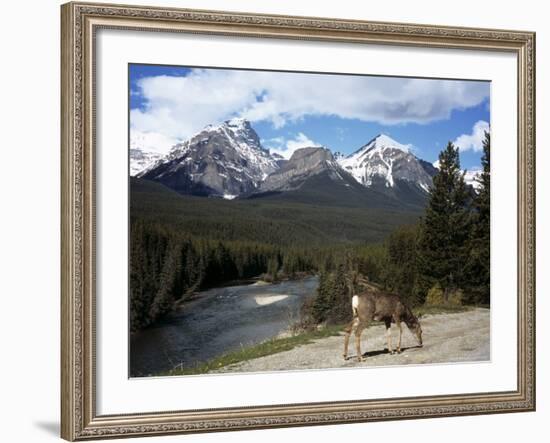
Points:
[(478, 267), (445, 229)]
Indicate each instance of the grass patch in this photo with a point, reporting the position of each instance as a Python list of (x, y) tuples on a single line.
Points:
[(268, 347)]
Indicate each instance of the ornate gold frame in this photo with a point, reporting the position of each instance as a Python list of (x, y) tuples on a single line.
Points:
[(79, 420)]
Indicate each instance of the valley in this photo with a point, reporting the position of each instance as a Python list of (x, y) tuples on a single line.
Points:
[(313, 217), (220, 207), (313, 204)]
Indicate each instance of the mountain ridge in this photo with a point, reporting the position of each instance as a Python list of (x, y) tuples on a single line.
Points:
[(228, 160), (304, 163)]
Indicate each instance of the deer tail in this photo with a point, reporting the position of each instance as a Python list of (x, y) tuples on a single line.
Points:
[(355, 305)]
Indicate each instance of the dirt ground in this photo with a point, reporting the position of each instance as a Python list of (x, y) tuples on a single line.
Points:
[(447, 338)]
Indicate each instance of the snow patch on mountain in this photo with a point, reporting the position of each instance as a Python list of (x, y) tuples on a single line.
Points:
[(471, 177)]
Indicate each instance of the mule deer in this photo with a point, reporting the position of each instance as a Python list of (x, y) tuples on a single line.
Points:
[(379, 306)]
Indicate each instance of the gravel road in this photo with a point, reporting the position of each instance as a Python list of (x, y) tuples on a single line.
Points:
[(447, 338)]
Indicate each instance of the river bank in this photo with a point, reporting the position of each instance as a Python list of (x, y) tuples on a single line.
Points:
[(322, 348), (216, 322), (448, 338)]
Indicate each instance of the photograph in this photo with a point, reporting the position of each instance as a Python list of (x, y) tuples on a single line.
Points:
[(285, 220)]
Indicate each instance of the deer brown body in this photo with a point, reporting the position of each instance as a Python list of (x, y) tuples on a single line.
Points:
[(379, 306)]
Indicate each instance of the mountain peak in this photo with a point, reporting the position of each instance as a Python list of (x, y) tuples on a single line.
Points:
[(379, 143), (382, 141), (384, 161), (237, 122)]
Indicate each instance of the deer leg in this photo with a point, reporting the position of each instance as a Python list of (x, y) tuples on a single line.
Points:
[(400, 327), (358, 332), (388, 336), (348, 330)]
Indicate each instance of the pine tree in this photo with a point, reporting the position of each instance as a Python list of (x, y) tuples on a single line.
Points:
[(402, 256), (137, 274), (273, 267), (444, 235), (322, 302), (478, 266), (341, 297), (169, 276)]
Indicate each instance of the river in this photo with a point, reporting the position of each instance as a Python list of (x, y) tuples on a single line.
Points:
[(217, 321)]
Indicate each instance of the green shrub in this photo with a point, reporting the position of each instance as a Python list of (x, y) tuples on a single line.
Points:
[(435, 296), (455, 297)]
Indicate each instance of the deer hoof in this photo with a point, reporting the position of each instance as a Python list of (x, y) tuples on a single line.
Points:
[(361, 358), (398, 350), (345, 356)]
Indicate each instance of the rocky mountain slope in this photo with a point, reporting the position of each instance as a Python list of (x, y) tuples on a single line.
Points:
[(224, 160), (304, 164)]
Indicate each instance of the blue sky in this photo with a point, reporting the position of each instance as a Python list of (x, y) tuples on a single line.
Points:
[(291, 110)]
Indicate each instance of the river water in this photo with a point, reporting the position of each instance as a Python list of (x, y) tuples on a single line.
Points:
[(217, 321)]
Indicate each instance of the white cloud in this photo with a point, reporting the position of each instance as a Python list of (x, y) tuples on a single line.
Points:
[(178, 107), (474, 140), (286, 147)]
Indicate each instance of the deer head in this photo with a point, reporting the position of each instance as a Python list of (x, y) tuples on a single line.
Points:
[(414, 326)]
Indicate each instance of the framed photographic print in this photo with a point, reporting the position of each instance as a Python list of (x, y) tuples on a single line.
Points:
[(282, 221)]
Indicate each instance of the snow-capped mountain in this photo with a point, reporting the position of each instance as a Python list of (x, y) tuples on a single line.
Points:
[(304, 163), (145, 150), (141, 160), (386, 163), (227, 160), (471, 178), (223, 160), (313, 176)]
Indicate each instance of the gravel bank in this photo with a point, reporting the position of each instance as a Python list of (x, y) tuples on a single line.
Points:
[(447, 338)]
